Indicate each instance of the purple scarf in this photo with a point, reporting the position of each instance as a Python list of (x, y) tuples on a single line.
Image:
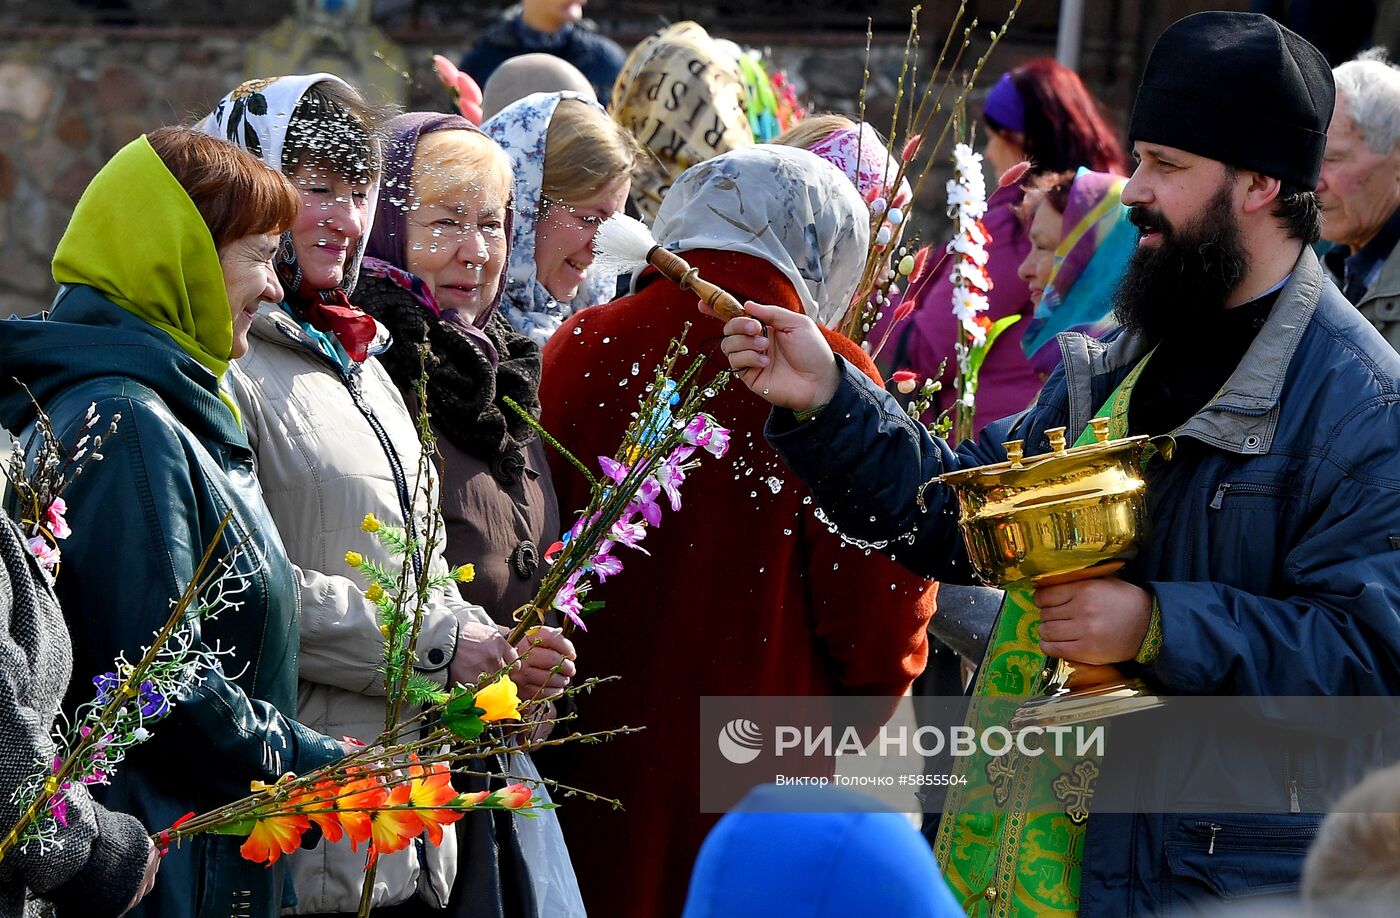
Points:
[(388, 239)]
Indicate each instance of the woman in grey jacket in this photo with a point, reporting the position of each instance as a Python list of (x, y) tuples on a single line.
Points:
[(104, 862)]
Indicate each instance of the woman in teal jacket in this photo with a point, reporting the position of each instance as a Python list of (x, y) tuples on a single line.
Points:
[(162, 267)]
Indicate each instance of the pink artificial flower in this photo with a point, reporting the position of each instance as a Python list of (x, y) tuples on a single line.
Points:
[(604, 564), (48, 555), (629, 533), (672, 475), (911, 147), (567, 600), (57, 524), (58, 805), (645, 502), (704, 432), (718, 443)]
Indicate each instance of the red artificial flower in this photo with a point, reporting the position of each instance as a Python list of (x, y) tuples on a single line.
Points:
[(273, 837), (392, 829), (1013, 175), (513, 797), (905, 380)]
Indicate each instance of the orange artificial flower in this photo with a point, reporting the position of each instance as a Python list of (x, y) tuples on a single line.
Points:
[(473, 798), (360, 796), (431, 788), (514, 796), (273, 837), (393, 829), (318, 804)]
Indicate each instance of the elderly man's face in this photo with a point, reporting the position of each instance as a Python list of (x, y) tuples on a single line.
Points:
[(1359, 188)]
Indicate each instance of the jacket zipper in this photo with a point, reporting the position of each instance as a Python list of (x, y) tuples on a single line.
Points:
[(351, 381), (1241, 488), (1294, 805), (1215, 828)]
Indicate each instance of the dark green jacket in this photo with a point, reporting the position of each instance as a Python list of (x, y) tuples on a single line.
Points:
[(141, 519)]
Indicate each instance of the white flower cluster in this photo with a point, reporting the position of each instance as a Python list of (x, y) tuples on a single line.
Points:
[(967, 203)]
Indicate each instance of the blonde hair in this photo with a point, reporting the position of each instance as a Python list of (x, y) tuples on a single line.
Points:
[(585, 151), (813, 130), (1351, 863), (450, 161)]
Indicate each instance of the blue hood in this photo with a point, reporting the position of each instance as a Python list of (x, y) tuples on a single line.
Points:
[(776, 855)]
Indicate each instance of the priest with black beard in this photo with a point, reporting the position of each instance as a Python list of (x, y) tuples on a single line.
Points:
[(1272, 565)]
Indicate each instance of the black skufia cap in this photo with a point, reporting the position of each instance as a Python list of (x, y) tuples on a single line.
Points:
[(1241, 89)]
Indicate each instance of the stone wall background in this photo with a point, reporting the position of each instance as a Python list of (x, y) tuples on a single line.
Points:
[(74, 90)]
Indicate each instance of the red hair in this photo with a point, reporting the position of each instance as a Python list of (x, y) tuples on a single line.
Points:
[(1065, 127)]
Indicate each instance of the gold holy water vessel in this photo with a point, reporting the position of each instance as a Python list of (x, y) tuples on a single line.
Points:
[(1069, 514)]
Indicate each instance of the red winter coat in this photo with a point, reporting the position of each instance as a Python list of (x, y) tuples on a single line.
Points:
[(745, 593)]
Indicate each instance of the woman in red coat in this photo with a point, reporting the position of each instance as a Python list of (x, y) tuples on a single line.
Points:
[(745, 591)]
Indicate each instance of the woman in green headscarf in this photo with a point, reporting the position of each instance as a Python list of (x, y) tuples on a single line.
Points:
[(165, 261)]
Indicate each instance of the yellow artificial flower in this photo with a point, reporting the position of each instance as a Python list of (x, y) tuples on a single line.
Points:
[(369, 523), (374, 593), (465, 573), (384, 630), (354, 558), (500, 701)]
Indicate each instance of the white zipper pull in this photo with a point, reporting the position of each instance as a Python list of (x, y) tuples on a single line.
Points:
[(1219, 495), (1213, 830), (1293, 805)]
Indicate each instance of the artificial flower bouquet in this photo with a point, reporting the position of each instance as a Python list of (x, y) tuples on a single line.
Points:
[(666, 440)]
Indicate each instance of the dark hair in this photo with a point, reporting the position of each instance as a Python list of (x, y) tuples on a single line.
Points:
[(1300, 212), (234, 191), (335, 129), (1065, 128), (1296, 207)]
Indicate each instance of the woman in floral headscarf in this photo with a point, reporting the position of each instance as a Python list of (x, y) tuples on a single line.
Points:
[(573, 168), (745, 591), (433, 276), (860, 152), (1081, 240), (335, 441)]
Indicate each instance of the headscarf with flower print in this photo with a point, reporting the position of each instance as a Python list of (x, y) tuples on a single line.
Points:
[(257, 116), (522, 129)]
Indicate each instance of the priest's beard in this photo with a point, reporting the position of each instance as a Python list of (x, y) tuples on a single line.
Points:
[(1180, 285)]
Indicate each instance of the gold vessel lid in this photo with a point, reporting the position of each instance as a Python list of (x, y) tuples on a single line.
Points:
[(1061, 459)]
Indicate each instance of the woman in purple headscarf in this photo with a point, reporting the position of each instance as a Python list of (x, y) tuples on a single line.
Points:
[(433, 276), (1041, 113)]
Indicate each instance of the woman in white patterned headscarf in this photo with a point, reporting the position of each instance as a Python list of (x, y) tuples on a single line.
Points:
[(573, 168), (789, 207)]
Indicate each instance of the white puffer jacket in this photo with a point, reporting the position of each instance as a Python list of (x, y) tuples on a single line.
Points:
[(332, 445)]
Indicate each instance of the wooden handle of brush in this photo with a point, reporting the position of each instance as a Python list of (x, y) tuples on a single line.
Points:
[(679, 270)]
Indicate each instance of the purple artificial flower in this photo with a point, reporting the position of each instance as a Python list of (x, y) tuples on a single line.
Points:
[(153, 703), (645, 502), (613, 469), (567, 600), (718, 443), (58, 805), (106, 685)]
